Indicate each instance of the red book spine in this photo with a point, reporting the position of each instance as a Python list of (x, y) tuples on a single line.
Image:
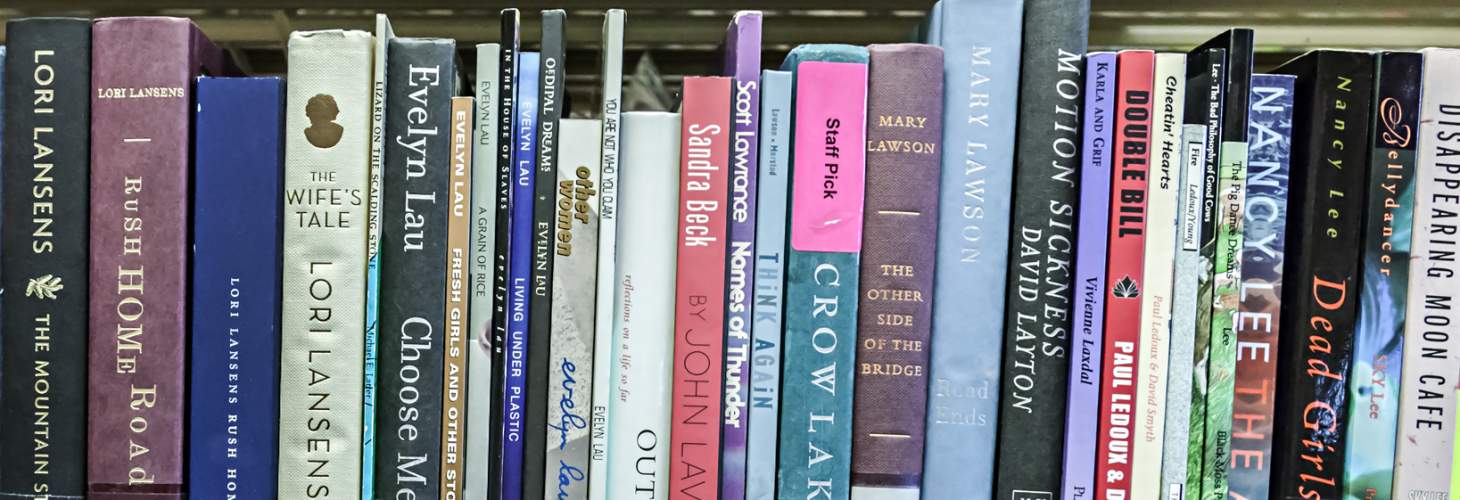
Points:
[(699, 308), (1123, 272)]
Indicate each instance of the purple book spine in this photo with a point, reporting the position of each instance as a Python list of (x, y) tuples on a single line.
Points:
[(1084, 395), (742, 61)]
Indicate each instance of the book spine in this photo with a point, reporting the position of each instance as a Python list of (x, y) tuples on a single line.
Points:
[(1189, 266), (326, 185), (502, 302), (515, 397), (551, 77), (484, 237), (1124, 271), (575, 252), (699, 312), (1039, 290), (383, 34), (742, 62), (772, 190), (644, 309), (905, 128), (47, 166), (1164, 162), (1379, 339), (1423, 464), (608, 201), (822, 274), (414, 213), (1093, 235), (458, 230), (141, 115), (235, 307), (981, 92), (1316, 346), (1207, 70)]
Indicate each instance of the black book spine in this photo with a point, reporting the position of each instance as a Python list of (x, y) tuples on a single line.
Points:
[(421, 81), (46, 180), (1238, 45), (1037, 323), (1333, 99), (507, 91), (550, 109)]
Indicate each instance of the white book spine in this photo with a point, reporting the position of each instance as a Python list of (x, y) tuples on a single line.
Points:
[(643, 310), (1162, 190), (612, 79), (480, 422), (1423, 461), (326, 184)]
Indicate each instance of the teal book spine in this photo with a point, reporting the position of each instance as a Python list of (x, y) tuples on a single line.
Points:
[(829, 89)]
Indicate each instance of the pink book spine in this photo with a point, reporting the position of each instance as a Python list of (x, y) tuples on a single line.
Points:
[(699, 306)]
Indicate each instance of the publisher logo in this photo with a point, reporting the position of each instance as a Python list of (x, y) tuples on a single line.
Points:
[(1126, 288), (1031, 495)]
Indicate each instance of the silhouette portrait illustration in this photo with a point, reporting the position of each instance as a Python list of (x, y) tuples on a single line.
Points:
[(323, 132)]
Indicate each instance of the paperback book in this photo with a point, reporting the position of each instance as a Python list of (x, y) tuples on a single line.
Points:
[(610, 149), (383, 35), (515, 365)]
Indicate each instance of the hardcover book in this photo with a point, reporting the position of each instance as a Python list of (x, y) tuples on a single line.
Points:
[(415, 204), (326, 188), (772, 189), (608, 200), (485, 235), (515, 401), (1424, 463), (1264, 220), (905, 128), (830, 99), (981, 90), (1374, 389), (234, 379), (699, 308), (575, 253), (1122, 364), (1087, 343), (142, 71), (383, 35), (502, 302), (47, 163), (455, 327), (1333, 88), (1040, 289), (550, 83), (1164, 166), (742, 62), (643, 316)]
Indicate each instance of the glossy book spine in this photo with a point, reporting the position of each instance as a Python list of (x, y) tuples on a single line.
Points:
[(830, 96), (610, 150), (142, 72), (742, 62), (503, 300), (1423, 462), (47, 168), (699, 306), (980, 96), (326, 185), (485, 235), (524, 157), (1039, 288), (383, 34), (238, 184), (1087, 344), (772, 190), (643, 319), (1374, 390), (455, 330), (1123, 272), (1189, 267), (904, 130), (1264, 217)]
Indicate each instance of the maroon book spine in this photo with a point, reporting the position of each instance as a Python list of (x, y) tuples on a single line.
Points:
[(142, 76)]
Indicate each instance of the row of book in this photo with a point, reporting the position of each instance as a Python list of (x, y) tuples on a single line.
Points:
[(986, 265)]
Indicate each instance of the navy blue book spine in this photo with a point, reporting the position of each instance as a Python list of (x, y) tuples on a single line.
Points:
[(234, 380)]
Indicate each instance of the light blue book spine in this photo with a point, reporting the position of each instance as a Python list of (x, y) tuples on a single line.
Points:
[(981, 41), (383, 34), (770, 262)]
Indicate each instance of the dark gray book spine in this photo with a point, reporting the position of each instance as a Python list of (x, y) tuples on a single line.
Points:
[(1037, 328), (422, 76), (47, 123), (506, 114), (551, 76)]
